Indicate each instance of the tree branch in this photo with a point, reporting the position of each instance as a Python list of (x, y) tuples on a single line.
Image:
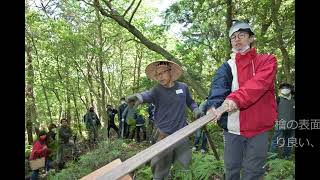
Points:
[(87, 3), (79, 69), (124, 14), (97, 5), (134, 11), (108, 3), (131, 39), (200, 42), (152, 46)]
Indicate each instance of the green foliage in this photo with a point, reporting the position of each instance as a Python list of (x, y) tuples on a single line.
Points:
[(143, 110), (205, 166), (202, 167), (205, 44), (216, 134), (106, 152), (27, 150), (53, 146), (280, 169), (144, 172), (179, 173)]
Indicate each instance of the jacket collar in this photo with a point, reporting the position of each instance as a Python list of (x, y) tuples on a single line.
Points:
[(252, 53), (286, 97)]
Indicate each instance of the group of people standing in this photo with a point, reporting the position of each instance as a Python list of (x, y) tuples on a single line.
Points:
[(131, 121), (245, 84), (57, 146)]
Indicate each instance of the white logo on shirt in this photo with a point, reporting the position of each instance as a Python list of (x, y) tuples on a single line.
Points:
[(179, 91)]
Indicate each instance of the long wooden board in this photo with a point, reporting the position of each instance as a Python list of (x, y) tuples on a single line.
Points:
[(146, 155), (104, 169)]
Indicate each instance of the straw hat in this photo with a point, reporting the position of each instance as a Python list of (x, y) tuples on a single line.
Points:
[(176, 70)]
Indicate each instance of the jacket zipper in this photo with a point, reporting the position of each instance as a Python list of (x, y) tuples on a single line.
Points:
[(253, 70)]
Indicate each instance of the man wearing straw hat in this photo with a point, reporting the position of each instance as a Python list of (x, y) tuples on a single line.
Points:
[(170, 98)]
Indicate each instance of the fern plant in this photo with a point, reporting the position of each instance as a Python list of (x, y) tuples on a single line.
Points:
[(280, 169), (205, 166), (143, 172)]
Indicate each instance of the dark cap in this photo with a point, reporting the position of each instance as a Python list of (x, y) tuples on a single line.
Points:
[(286, 85)]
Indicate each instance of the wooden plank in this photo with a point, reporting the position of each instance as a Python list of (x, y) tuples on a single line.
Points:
[(144, 156), (104, 169)]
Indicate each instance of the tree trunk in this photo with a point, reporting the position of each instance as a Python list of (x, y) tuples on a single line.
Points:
[(281, 45), (45, 93), (99, 107), (56, 93), (88, 79), (60, 103), (139, 70), (100, 68), (68, 98), (30, 100), (134, 89), (84, 101), (89, 69), (41, 79), (77, 115), (210, 141), (121, 71), (267, 21), (229, 24), (87, 102)]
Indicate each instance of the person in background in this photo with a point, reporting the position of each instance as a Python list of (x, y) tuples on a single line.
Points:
[(286, 113), (52, 143), (65, 143), (123, 126), (111, 112), (140, 125), (129, 117), (39, 150), (92, 122)]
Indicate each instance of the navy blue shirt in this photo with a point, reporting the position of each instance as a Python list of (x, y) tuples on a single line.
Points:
[(170, 106)]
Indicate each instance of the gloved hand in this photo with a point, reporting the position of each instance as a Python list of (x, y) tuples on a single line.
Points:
[(134, 98), (214, 113), (197, 113), (232, 106)]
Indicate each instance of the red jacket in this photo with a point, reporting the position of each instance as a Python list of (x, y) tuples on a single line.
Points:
[(38, 151), (255, 95)]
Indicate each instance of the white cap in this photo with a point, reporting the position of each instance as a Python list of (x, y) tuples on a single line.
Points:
[(239, 25)]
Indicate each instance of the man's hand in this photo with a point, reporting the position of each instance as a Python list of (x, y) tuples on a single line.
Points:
[(230, 104), (197, 113), (215, 114)]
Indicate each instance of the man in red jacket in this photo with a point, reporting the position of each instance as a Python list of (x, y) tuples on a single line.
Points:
[(245, 83)]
